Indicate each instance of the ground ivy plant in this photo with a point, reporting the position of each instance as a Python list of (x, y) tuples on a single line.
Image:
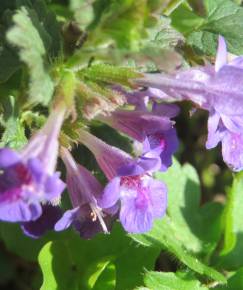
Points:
[(121, 150)]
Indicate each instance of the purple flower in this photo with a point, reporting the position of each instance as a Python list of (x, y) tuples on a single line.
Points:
[(136, 124), (228, 131), (111, 159), (46, 222), (232, 150), (163, 142), (218, 86), (141, 199), (140, 98), (84, 189), (131, 189), (217, 89), (154, 129), (137, 98), (28, 180), (225, 124)]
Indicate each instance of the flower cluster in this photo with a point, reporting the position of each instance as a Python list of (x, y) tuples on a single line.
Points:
[(217, 89), (31, 188), (131, 194)]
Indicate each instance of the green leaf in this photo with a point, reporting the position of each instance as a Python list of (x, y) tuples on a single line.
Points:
[(231, 255), (49, 29), (127, 18), (94, 262), (57, 267), (172, 5), (234, 282), (129, 259), (164, 236), (157, 50), (223, 17), (44, 20), (203, 41), (31, 51), (184, 20), (83, 12), (9, 60), (14, 132), (198, 228), (16, 242), (101, 275), (60, 270), (163, 35), (9, 63), (23, 246), (171, 281), (109, 74)]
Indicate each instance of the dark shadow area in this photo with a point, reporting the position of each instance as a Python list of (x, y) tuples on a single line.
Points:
[(192, 132), (166, 263), (16, 273)]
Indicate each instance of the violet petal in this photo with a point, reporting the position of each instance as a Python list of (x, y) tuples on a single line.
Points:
[(221, 57), (54, 186), (19, 211), (158, 198), (46, 222), (8, 157), (232, 150), (111, 194), (67, 219), (214, 136), (134, 219)]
